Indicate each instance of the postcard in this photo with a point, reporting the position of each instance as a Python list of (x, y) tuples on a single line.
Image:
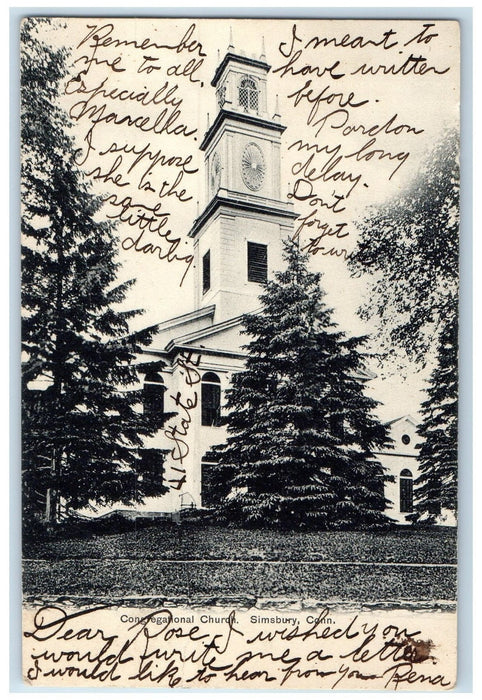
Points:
[(239, 352)]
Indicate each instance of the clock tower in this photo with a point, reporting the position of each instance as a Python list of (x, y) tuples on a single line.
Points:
[(238, 236)]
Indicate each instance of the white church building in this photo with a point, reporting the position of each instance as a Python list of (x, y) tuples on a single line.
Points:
[(237, 240)]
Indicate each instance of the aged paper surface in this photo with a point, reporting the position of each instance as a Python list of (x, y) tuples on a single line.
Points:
[(229, 490)]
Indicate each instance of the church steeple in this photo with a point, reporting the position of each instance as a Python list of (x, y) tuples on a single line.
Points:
[(238, 235), (240, 83), (242, 109)]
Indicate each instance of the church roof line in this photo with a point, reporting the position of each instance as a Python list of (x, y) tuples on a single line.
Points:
[(407, 417), (175, 348), (186, 318), (245, 60), (239, 205), (196, 349), (204, 332), (251, 119), (405, 455)]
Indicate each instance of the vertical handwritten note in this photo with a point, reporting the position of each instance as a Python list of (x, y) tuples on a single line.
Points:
[(131, 101), (178, 431), (350, 87)]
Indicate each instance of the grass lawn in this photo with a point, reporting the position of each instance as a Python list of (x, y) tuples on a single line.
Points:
[(164, 561), (194, 542)]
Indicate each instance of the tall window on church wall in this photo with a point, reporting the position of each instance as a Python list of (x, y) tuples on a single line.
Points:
[(152, 469), (248, 94), (406, 491), (208, 465), (210, 399), (153, 397), (257, 262), (206, 271)]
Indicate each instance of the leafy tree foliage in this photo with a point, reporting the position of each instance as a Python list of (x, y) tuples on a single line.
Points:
[(409, 246), (436, 487), (301, 430), (82, 428)]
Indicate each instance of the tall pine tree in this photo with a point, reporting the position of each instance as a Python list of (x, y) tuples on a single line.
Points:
[(302, 433), (83, 433), (436, 487)]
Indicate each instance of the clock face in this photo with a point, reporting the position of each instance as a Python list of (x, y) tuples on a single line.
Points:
[(215, 172), (253, 167)]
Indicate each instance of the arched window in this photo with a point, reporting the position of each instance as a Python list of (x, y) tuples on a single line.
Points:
[(210, 399), (248, 94), (406, 491), (153, 396)]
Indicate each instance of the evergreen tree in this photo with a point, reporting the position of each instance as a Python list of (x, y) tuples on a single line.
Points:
[(301, 429), (82, 434), (436, 487)]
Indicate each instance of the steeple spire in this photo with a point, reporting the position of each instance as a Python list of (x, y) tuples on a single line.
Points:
[(231, 43), (263, 51), (276, 115)]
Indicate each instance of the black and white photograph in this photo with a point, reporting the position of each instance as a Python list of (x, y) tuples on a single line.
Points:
[(240, 323)]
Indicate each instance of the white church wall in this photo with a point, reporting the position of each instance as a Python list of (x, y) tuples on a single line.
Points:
[(401, 456), (228, 340), (208, 241)]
